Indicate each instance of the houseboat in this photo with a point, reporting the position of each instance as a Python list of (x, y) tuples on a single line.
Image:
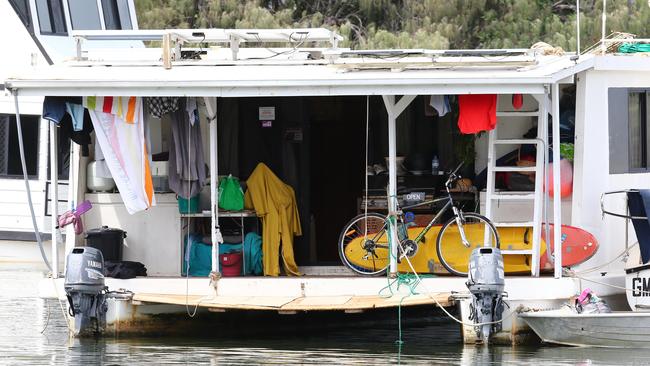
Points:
[(325, 120), (38, 33)]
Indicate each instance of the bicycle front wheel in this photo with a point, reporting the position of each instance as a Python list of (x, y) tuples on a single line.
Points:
[(453, 254), (363, 244)]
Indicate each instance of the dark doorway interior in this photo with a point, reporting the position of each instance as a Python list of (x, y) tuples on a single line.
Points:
[(337, 168)]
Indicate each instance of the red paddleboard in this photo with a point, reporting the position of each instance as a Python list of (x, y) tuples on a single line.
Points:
[(577, 246)]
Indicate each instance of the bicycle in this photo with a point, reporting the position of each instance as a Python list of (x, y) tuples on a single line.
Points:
[(364, 246)]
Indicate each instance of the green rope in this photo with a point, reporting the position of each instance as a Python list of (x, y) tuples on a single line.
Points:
[(410, 280)]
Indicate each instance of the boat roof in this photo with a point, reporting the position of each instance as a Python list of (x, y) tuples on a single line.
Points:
[(296, 70)]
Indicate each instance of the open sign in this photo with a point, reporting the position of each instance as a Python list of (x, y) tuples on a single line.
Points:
[(413, 198)]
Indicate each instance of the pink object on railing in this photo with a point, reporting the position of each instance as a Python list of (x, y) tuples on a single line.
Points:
[(584, 295), (74, 217)]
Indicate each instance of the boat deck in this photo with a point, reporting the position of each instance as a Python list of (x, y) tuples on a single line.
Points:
[(289, 304), (313, 292)]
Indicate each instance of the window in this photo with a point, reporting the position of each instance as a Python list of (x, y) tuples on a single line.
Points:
[(84, 15), (629, 129), (51, 20), (638, 127), (10, 164), (116, 14)]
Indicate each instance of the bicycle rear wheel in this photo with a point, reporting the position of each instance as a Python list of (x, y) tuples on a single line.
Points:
[(363, 244), (452, 253)]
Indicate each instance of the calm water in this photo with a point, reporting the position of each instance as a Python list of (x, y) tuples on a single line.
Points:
[(33, 332)]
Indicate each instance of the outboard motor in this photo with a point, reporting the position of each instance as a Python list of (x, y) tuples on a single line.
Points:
[(85, 289), (485, 281)]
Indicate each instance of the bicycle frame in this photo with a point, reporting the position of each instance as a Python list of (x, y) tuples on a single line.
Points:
[(450, 203)]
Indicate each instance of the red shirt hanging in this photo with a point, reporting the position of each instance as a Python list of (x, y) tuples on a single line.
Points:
[(477, 112)]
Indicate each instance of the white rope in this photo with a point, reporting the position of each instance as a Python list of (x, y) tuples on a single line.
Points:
[(573, 275), (430, 294), (189, 221), (365, 201), (65, 314)]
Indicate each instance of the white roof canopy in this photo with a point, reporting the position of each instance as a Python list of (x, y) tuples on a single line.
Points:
[(295, 71), (289, 80)]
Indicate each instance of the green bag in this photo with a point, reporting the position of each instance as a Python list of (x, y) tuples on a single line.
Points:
[(231, 196)]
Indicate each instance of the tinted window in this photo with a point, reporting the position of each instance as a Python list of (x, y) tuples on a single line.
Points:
[(50, 17), (84, 15), (629, 129), (10, 165), (116, 14)]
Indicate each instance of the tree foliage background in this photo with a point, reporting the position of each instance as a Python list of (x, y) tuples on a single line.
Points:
[(434, 24)]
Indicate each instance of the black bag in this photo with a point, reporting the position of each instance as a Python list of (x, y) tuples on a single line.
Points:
[(124, 269)]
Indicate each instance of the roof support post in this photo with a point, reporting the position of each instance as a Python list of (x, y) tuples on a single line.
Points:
[(54, 188), (557, 200), (394, 109), (215, 232), (73, 197)]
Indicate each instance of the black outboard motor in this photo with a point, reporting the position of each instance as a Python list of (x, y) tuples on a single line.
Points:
[(85, 289), (485, 281)]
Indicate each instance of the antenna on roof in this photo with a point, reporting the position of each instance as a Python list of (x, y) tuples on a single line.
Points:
[(603, 48), (578, 28)]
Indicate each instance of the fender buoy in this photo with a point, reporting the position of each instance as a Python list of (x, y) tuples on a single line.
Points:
[(566, 178)]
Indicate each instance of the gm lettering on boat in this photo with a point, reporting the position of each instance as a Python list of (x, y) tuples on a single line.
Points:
[(640, 287)]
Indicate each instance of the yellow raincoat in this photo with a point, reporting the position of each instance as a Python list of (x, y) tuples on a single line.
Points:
[(275, 204)]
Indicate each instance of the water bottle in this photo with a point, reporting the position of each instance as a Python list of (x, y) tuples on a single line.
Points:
[(435, 165)]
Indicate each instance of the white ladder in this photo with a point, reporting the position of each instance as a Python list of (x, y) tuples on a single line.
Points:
[(493, 197)]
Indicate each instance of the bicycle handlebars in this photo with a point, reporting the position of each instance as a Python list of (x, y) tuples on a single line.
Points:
[(452, 176), (457, 168)]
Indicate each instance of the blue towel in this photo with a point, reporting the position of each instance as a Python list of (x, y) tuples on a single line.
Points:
[(198, 255), (639, 203)]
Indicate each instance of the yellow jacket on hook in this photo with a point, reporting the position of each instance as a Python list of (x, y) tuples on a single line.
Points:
[(275, 204)]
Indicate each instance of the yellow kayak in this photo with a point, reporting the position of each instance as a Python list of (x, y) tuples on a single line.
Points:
[(425, 260)]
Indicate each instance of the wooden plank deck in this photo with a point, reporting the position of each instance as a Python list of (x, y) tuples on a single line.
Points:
[(295, 304)]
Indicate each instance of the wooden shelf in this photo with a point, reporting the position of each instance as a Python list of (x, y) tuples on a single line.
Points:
[(243, 213)]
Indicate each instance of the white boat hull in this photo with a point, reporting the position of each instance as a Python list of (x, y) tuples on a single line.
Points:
[(618, 329)]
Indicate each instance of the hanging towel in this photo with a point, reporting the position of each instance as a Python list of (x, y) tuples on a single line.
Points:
[(477, 112), (639, 203), (441, 104), (186, 163), (120, 131), (275, 204)]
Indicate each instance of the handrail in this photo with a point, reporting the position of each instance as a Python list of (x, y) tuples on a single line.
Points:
[(605, 212)]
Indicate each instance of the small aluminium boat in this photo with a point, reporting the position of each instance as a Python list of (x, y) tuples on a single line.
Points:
[(618, 329)]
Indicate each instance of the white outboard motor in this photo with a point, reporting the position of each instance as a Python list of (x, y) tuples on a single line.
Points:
[(86, 291), (485, 281)]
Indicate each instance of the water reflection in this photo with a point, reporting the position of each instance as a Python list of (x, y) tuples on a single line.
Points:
[(438, 342)]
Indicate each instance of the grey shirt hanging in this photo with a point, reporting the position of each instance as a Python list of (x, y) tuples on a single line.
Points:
[(187, 170)]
